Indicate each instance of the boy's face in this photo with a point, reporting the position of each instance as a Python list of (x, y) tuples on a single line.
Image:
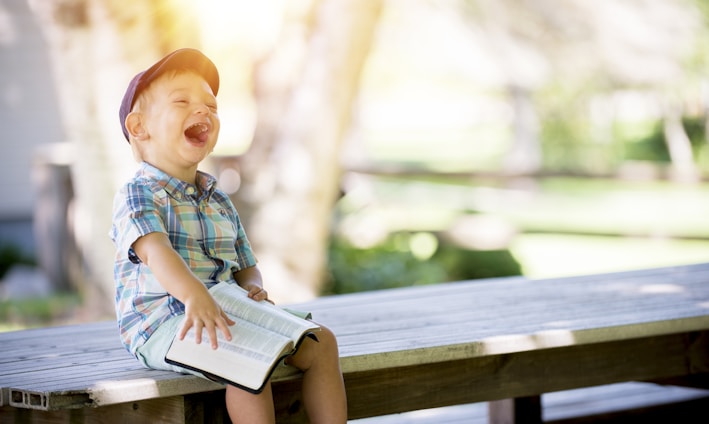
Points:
[(180, 123)]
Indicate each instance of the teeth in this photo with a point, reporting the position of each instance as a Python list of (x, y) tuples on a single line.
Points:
[(194, 131)]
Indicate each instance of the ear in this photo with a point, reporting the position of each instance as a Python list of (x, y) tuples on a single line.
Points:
[(135, 127)]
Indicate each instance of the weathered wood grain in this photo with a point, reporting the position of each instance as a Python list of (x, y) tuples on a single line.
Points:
[(417, 347)]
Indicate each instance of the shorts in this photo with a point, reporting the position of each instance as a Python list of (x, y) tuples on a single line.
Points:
[(152, 353)]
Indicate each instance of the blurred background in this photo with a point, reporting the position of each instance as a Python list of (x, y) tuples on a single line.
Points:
[(367, 144)]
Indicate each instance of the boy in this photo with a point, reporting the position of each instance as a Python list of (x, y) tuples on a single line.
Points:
[(176, 235)]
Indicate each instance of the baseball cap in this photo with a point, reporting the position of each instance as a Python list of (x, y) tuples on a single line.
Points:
[(190, 59)]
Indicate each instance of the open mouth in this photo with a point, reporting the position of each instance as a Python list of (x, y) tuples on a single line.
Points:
[(197, 133)]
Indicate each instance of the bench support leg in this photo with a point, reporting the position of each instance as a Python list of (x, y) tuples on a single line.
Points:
[(522, 410)]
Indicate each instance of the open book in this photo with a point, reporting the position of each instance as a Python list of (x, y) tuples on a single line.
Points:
[(263, 335)]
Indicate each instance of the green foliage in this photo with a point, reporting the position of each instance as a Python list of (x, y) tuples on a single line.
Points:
[(653, 147), (354, 269), (37, 312), (11, 255), (30, 312), (695, 128), (464, 264), (570, 141), (387, 265)]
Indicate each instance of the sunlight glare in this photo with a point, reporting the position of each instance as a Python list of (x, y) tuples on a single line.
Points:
[(661, 288), (252, 23)]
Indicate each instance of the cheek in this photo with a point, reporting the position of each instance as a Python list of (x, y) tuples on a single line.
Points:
[(216, 126)]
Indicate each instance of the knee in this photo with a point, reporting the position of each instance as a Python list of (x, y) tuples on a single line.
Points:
[(327, 341), (311, 352)]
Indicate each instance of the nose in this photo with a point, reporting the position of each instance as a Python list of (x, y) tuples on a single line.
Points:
[(201, 109)]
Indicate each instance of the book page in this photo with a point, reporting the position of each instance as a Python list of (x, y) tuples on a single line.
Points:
[(234, 300), (246, 360)]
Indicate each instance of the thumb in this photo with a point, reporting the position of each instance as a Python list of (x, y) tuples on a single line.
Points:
[(228, 320)]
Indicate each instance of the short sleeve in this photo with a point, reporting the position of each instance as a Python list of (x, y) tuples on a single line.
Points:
[(136, 212)]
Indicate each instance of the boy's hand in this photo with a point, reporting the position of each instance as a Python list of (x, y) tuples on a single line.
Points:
[(202, 312), (257, 292)]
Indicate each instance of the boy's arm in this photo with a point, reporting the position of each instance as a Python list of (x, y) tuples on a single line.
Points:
[(250, 280), (171, 271)]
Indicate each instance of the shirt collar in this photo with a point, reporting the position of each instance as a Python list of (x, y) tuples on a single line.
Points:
[(177, 188)]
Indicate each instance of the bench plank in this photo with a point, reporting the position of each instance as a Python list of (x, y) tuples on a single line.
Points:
[(396, 327)]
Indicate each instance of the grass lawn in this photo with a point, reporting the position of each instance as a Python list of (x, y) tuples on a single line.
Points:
[(556, 255)]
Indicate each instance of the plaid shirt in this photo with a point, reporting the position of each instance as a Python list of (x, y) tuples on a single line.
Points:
[(203, 228)]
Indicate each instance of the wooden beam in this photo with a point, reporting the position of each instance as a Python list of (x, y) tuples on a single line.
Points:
[(522, 374), (697, 381), (289, 401), (166, 410)]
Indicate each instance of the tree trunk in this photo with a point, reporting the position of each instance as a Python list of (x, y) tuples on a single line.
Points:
[(679, 146), (525, 154), (96, 47), (291, 173)]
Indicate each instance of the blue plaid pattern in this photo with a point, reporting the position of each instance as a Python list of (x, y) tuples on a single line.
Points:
[(203, 227)]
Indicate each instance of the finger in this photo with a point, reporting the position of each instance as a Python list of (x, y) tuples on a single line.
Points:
[(261, 295), (223, 326), (212, 332), (227, 319), (186, 325), (255, 292), (198, 327)]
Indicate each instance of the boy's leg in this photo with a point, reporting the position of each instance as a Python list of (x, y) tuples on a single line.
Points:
[(323, 387), (245, 407), (242, 406)]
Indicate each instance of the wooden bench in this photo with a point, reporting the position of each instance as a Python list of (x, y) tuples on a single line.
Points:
[(505, 341)]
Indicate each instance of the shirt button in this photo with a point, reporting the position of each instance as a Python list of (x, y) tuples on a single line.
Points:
[(189, 191), (212, 252)]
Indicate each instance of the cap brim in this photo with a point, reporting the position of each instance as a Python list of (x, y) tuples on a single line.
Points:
[(183, 59)]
